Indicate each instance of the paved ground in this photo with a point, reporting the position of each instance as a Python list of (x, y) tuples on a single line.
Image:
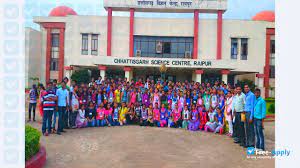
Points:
[(134, 146)]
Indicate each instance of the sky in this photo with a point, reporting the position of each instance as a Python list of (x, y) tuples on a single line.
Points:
[(237, 9)]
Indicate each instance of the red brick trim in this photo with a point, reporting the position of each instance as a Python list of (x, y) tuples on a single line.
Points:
[(68, 68), (56, 25), (38, 160), (109, 30), (219, 34), (225, 71), (102, 67), (196, 34), (127, 69), (131, 32), (260, 75), (199, 71)]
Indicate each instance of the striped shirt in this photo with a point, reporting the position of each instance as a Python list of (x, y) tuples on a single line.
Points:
[(49, 104)]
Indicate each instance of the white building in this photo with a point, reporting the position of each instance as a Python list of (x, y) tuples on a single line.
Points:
[(192, 48)]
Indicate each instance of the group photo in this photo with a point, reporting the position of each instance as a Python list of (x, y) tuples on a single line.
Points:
[(146, 83)]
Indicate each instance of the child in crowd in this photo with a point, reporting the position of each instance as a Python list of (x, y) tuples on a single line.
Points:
[(100, 117), (211, 125), (115, 121), (81, 121), (144, 116), (163, 116), (123, 112), (150, 116), (90, 114), (194, 121), (186, 117), (220, 120), (156, 115)]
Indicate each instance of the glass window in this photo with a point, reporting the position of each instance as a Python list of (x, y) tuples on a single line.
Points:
[(273, 46), (244, 48), (272, 71), (234, 48), (54, 64), (163, 47), (167, 48), (85, 44), (94, 49), (55, 40)]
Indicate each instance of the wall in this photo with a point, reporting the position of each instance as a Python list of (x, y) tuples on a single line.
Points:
[(33, 55)]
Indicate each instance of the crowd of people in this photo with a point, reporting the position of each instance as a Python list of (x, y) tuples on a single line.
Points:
[(217, 107)]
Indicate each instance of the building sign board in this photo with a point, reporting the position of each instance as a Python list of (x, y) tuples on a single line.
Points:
[(167, 5)]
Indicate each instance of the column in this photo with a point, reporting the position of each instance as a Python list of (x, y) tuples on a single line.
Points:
[(196, 34), (61, 54), (259, 82), (68, 73), (128, 73), (219, 34), (109, 31), (225, 73), (198, 77), (131, 31), (48, 55), (102, 69)]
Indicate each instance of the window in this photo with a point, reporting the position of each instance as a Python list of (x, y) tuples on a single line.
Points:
[(94, 49), (163, 47), (167, 48), (234, 48), (272, 46), (85, 44), (244, 48), (272, 71), (54, 52)]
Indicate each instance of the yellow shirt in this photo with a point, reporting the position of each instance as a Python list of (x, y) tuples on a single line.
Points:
[(123, 112), (117, 96)]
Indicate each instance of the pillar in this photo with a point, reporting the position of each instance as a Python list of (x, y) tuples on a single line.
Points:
[(131, 31), (102, 69), (128, 73), (219, 34), (109, 31), (48, 55), (198, 77), (225, 73), (259, 82), (196, 34), (61, 54), (68, 72), (269, 33)]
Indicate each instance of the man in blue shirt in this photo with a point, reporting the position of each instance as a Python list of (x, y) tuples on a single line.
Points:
[(248, 135), (259, 115), (62, 103)]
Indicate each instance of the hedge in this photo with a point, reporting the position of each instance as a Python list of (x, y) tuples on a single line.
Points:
[(32, 141)]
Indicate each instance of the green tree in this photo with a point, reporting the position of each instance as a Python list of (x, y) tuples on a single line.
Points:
[(81, 76)]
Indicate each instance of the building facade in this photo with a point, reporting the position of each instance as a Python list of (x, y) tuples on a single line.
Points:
[(192, 49)]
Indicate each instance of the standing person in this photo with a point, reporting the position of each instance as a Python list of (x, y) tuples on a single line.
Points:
[(194, 121), (33, 94), (123, 112), (239, 104), (62, 102), (81, 120), (42, 93), (55, 113), (228, 112), (48, 101), (177, 116), (100, 116), (156, 115), (116, 115), (90, 115), (163, 116), (74, 107), (248, 111), (259, 116), (144, 116), (146, 98), (186, 117)]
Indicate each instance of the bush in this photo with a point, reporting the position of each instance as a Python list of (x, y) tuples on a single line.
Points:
[(32, 141), (81, 76)]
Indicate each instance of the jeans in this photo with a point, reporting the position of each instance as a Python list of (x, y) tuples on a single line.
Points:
[(66, 119), (238, 127), (249, 131), (91, 123), (101, 123), (109, 118), (115, 122), (259, 134), (55, 114), (72, 118), (32, 107), (61, 115), (47, 118), (157, 123)]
